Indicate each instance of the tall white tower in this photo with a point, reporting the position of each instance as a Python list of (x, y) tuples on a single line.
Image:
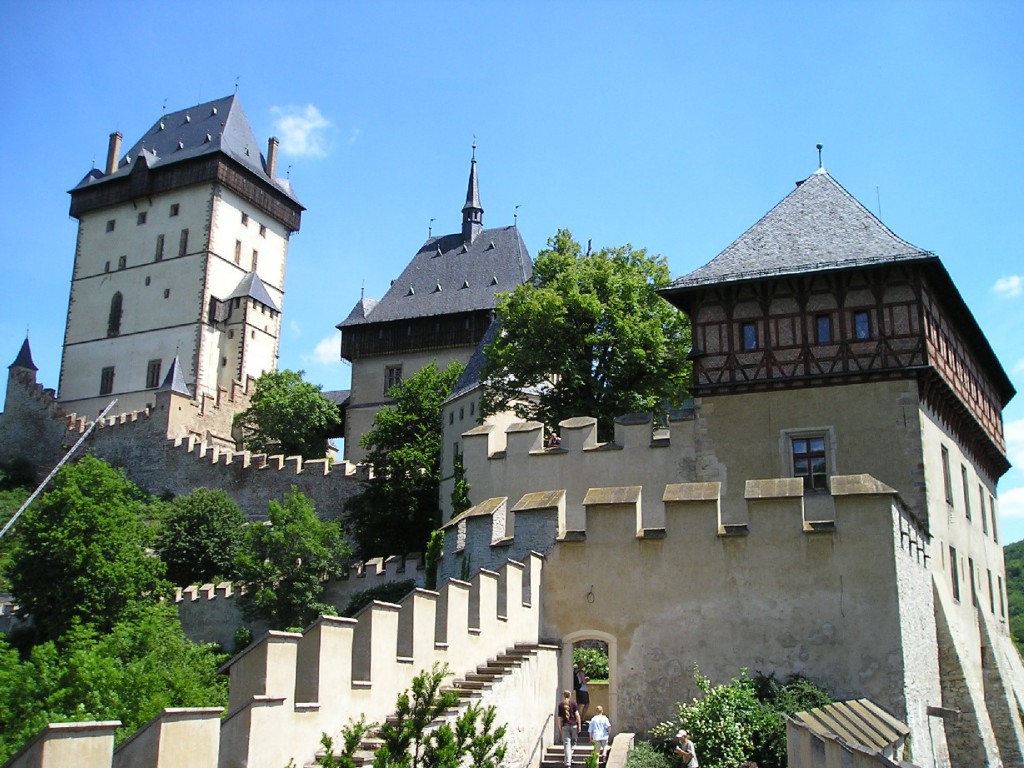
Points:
[(181, 251)]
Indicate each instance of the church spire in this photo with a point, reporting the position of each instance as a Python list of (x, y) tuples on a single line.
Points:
[(472, 212)]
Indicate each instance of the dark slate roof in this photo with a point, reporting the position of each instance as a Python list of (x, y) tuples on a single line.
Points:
[(471, 375), (446, 277), (337, 396), (215, 126), (174, 381), (252, 287), (359, 312), (818, 226), (24, 358)]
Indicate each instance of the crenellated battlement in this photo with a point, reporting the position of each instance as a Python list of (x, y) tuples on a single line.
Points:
[(210, 612), (301, 685), (777, 515), (172, 447)]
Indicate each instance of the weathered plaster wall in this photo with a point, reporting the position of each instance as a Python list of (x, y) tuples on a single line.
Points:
[(785, 598)]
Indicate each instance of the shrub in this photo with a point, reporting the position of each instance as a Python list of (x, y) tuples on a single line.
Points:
[(595, 662), (389, 593), (645, 755)]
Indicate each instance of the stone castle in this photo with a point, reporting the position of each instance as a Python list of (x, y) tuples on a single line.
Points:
[(826, 505)]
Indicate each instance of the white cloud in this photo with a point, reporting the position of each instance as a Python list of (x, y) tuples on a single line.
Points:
[(1019, 367), (354, 136), (1013, 431), (1009, 287), (302, 130), (1011, 503), (326, 352), (295, 329)]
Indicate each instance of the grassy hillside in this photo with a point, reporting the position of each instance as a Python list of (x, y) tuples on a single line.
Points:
[(1013, 555)]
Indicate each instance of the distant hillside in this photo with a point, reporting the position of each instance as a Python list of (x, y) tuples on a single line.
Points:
[(1013, 555)]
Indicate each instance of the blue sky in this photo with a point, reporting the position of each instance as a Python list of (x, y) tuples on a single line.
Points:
[(673, 126)]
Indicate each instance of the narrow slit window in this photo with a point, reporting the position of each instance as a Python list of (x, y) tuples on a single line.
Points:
[(153, 374)]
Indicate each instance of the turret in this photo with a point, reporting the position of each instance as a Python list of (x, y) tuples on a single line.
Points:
[(472, 212)]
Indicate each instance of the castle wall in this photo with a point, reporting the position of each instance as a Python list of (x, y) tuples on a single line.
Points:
[(868, 428), (34, 427), (288, 688), (211, 613), (676, 587)]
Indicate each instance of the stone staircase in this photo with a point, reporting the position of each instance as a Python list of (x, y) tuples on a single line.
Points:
[(554, 756), (468, 688)]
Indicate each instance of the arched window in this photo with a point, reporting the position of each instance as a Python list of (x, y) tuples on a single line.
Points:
[(114, 320)]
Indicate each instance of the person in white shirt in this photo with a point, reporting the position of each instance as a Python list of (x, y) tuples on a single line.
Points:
[(600, 729)]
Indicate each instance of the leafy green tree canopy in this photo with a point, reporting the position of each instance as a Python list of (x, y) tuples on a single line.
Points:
[(143, 665), (742, 719), (283, 564), (287, 415), (590, 336), (398, 507), (82, 551), (200, 536)]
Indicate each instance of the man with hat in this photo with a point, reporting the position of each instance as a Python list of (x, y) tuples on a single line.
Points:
[(685, 749)]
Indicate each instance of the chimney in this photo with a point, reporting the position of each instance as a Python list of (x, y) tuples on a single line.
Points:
[(113, 152), (272, 145)]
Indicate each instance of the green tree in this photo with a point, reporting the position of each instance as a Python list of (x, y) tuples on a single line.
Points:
[(82, 551), (742, 719), (1013, 558), (409, 742), (432, 558), (287, 415), (283, 564), (460, 488), (143, 665), (589, 336), (10, 502), (200, 536), (398, 507)]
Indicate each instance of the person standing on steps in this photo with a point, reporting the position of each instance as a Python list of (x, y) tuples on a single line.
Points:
[(568, 715), (579, 684), (600, 728)]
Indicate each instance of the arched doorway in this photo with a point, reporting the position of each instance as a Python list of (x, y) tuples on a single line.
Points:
[(603, 694)]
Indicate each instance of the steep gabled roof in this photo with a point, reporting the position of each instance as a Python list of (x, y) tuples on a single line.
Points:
[(24, 358), (252, 287), (818, 226), (174, 381), (448, 276), (215, 126)]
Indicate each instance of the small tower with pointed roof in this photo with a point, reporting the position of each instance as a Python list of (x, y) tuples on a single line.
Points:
[(438, 310), (472, 211), (182, 245)]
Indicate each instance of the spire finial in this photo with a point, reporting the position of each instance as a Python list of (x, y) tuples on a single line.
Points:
[(430, 228), (515, 217), (474, 148), (819, 156)]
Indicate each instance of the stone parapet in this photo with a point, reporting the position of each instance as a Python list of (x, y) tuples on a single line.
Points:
[(288, 688)]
